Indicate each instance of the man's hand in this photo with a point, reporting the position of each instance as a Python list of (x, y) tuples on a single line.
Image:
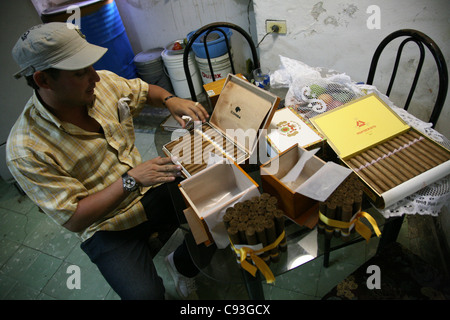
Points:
[(155, 171), (181, 107)]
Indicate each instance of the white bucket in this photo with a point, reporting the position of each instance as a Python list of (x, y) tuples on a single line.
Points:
[(175, 70), (221, 67)]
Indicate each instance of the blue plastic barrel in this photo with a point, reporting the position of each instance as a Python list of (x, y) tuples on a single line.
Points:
[(105, 28)]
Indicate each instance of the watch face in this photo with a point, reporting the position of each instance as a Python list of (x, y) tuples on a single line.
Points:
[(129, 183)]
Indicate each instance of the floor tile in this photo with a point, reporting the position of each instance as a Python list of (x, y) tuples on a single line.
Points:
[(93, 285)]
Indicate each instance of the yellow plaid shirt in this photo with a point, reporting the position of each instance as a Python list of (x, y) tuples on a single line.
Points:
[(57, 164)]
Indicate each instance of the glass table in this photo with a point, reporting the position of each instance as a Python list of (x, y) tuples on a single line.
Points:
[(304, 244)]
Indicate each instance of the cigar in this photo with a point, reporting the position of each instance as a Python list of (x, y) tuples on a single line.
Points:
[(367, 175), (404, 157), (242, 227), (330, 213), (227, 217), (438, 151), (279, 227), (347, 213), (271, 236), (429, 157), (414, 159), (378, 171), (383, 169), (233, 233), (321, 224), (261, 236), (389, 164), (438, 155), (409, 171)]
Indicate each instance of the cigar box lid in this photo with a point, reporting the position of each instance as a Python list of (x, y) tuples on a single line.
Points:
[(289, 128), (242, 110), (359, 125)]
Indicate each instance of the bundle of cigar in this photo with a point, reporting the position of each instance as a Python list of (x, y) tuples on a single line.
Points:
[(257, 221), (342, 205), (194, 149), (395, 161)]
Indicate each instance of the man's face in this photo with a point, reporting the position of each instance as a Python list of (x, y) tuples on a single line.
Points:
[(75, 88)]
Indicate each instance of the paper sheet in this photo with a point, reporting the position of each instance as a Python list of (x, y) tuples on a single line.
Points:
[(322, 184), (293, 174)]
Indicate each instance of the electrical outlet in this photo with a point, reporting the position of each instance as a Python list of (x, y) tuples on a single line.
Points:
[(281, 24)]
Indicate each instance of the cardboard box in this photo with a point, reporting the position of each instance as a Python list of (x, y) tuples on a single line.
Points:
[(301, 209), (208, 194), (233, 131), (391, 158), (213, 89), (288, 128)]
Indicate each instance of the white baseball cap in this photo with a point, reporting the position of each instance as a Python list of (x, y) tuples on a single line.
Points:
[(54, 45)]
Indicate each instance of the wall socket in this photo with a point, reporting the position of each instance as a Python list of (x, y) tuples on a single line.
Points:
[(282, 28)]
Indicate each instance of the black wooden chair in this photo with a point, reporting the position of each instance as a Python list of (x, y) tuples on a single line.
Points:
[(210, 28), (420, 39)]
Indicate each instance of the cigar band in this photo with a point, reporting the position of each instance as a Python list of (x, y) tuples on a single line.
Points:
[(259, 263), (360, 227)]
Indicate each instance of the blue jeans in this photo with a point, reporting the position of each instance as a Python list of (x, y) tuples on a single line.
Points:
[(124, 257)]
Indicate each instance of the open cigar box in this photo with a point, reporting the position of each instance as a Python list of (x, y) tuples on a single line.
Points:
[(392, 159), (226, 185), (233, 131), (303, 210)]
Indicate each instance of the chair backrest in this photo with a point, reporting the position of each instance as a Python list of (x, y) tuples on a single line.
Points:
[(209, 28), (420, 39)]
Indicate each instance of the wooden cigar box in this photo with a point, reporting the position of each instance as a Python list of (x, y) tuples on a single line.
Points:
[(392, 159), (226, 184), (241, 116), (301, 209)]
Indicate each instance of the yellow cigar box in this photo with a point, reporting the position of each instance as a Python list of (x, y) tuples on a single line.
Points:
[(391, 158), (301, 209), (226, 184), (213, 89), (241, 116)]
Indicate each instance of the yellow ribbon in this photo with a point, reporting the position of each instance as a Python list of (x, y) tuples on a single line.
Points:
[(259, 263), (360, 227)]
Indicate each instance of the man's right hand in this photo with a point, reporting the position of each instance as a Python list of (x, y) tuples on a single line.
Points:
[(155, 171)]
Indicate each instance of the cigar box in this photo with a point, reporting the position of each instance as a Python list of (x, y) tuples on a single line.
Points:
[(208, 194), (213, 89), (392, 159), (301, 209), (288, 128), (233, 131)]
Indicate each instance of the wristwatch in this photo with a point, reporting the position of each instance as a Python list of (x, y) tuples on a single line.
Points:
[(129, 183)]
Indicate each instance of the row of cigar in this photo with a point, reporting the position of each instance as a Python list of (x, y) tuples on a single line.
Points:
[(257, 221), (342, 205), (200, 143), (395, 161)]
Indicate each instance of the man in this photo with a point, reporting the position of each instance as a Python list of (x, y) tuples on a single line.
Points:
[(72, 151)]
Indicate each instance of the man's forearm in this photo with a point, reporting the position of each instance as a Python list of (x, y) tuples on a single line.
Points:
[(96, 206)]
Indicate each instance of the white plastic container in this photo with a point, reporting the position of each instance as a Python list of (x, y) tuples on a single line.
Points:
[(175, 71)]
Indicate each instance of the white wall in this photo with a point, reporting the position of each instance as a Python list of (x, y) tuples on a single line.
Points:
[(15, 18), (334, 34), (155, 23)]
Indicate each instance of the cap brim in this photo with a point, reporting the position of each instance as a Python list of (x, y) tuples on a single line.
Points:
[(86, 57)]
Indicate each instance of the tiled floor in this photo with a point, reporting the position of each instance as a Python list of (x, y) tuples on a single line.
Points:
[(35, 255)]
